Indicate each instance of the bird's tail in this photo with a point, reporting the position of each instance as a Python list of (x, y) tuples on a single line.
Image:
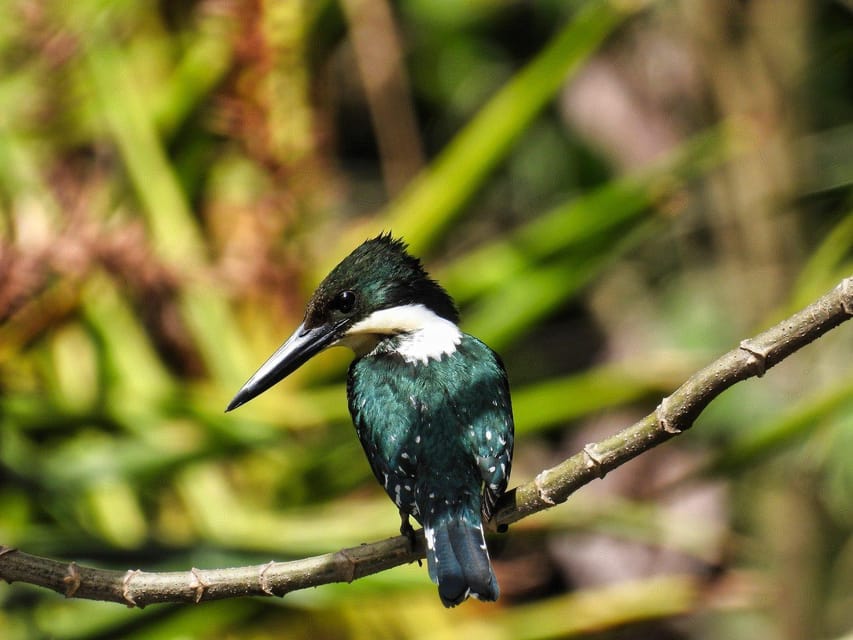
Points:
[(457, 558)]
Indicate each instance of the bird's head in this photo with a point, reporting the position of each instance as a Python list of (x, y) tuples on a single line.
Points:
[(378, 290)]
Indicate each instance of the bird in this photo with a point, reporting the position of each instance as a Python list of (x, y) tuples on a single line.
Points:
[(430, 404)]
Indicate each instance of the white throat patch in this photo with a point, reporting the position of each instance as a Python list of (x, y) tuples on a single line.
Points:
[(423, 334)]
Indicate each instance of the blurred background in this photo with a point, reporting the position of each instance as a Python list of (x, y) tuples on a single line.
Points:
[(615, 193)]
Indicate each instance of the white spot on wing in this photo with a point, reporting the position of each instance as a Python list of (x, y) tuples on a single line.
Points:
[(429, 534)]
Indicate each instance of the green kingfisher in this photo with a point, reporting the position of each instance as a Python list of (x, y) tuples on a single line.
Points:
[(430, 404)]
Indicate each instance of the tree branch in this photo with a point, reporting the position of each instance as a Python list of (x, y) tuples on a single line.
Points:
[(674, 415)]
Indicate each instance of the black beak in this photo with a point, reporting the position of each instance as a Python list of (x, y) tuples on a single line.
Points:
[(299, 348)]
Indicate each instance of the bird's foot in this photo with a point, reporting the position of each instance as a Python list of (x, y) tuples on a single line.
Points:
[(406, 529)]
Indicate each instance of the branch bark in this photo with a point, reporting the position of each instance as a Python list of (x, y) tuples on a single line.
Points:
[(674, 415)]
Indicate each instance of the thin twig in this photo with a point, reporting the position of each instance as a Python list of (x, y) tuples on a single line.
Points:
[(674, 415)]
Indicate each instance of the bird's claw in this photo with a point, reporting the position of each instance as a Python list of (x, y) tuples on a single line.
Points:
[(407, 530)]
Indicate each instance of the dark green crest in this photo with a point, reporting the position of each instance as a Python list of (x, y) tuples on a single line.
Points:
[(379, 274)]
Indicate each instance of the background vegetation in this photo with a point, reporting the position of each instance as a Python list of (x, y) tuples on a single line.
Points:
[(614, 192)]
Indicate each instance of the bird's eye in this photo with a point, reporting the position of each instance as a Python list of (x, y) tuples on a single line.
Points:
[(344, 301)]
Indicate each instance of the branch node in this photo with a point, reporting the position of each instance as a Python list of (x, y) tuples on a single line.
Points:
[(71, 580), (594, 459), (263, 580), (757, 356), (539, 482), (198, 584), (125, 587), (847, 295), (664, 421), (351, 563)]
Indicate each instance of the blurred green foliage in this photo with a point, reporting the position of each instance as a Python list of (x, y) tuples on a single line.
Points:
[(615, 192)]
